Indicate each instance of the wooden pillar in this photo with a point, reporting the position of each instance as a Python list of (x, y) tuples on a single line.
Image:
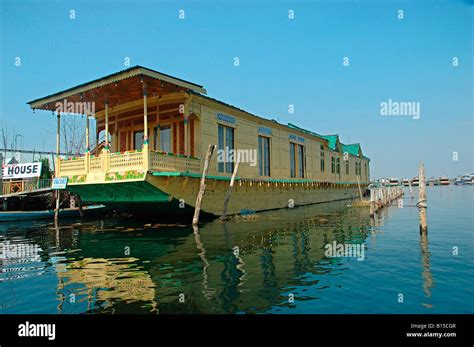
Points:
[(158, 135), (202, 187), (422, 200), (146, 158), (106, 147), (186, 135), (87, 155)]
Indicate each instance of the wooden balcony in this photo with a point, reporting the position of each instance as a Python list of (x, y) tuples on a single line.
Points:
[(107, 164)]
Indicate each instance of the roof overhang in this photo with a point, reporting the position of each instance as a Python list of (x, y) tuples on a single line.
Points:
[(120, 87)]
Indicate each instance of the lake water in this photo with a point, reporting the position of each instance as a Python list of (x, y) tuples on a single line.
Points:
[(273, 262)]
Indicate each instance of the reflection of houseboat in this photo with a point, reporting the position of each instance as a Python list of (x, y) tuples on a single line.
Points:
[(415, 181), (444, 181), (394, 182), (160, 128)]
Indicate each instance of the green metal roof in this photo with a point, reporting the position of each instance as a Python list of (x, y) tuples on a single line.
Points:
[(292, 126), (353, 149), (332, 141)]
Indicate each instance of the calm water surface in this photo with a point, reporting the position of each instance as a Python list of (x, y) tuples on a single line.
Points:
[(247, 266)]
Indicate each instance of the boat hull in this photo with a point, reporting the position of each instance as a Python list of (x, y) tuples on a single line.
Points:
[(176, 195)]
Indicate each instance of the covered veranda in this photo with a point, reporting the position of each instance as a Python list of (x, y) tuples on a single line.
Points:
[(145, 120)]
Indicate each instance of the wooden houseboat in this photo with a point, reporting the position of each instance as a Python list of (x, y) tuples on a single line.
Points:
[(159, 128)]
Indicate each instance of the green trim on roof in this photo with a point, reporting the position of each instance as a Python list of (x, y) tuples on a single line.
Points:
[(292, 126)]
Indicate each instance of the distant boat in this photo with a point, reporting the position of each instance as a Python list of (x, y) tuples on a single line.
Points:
[(444, 181), (415, 181), (13, 216), (464, 180), (393, 181), (433, 182), (406, 182)]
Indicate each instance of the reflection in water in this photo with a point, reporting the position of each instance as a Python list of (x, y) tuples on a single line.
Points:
[(425, 265), (241, 266), (208, 292)]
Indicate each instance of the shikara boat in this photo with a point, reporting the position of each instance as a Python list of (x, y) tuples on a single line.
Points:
[(12, 216), (159, 130)]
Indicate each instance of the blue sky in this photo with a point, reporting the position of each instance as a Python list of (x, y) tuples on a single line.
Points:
[(282, 62)]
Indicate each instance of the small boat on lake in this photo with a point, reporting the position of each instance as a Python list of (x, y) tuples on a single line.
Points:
[(13, 216), (415, 181)]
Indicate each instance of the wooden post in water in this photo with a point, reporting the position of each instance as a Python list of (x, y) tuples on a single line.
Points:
[(231, 186), (372, 202), (422, 200), (58, 147), (360, 190), (410, 188), (79, 204), (202, 187)]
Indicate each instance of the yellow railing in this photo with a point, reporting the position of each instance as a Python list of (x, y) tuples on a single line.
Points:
[(127, 161), (132, 160), (167, 162), (95, 164), (73, 165)]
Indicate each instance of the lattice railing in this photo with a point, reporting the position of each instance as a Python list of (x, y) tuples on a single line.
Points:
[(95, 163), (167, 162), (73, 165), (126, 161)]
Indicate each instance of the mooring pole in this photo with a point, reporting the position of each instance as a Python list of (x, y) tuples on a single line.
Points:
[(58, 194), (372, 202), (79, 205), (422, 200), (202, 187), (231, 186), (360, 190)]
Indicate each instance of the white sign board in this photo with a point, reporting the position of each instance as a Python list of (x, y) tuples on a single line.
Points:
[(59, 183), (15, 171)]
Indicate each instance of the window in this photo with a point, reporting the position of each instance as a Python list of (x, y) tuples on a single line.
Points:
[(165, 138), (292, 160), (297, 160), (358, 168), (321, 163), (264, 156), (366, 171), (225, 143), (333, 165), (338, 165), (301, 161), (138, 139), (347, 166)]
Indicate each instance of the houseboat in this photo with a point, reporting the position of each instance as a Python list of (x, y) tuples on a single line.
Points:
[(406, 182), (415, 181), (157, 130), (393, 182), (444, 181)]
